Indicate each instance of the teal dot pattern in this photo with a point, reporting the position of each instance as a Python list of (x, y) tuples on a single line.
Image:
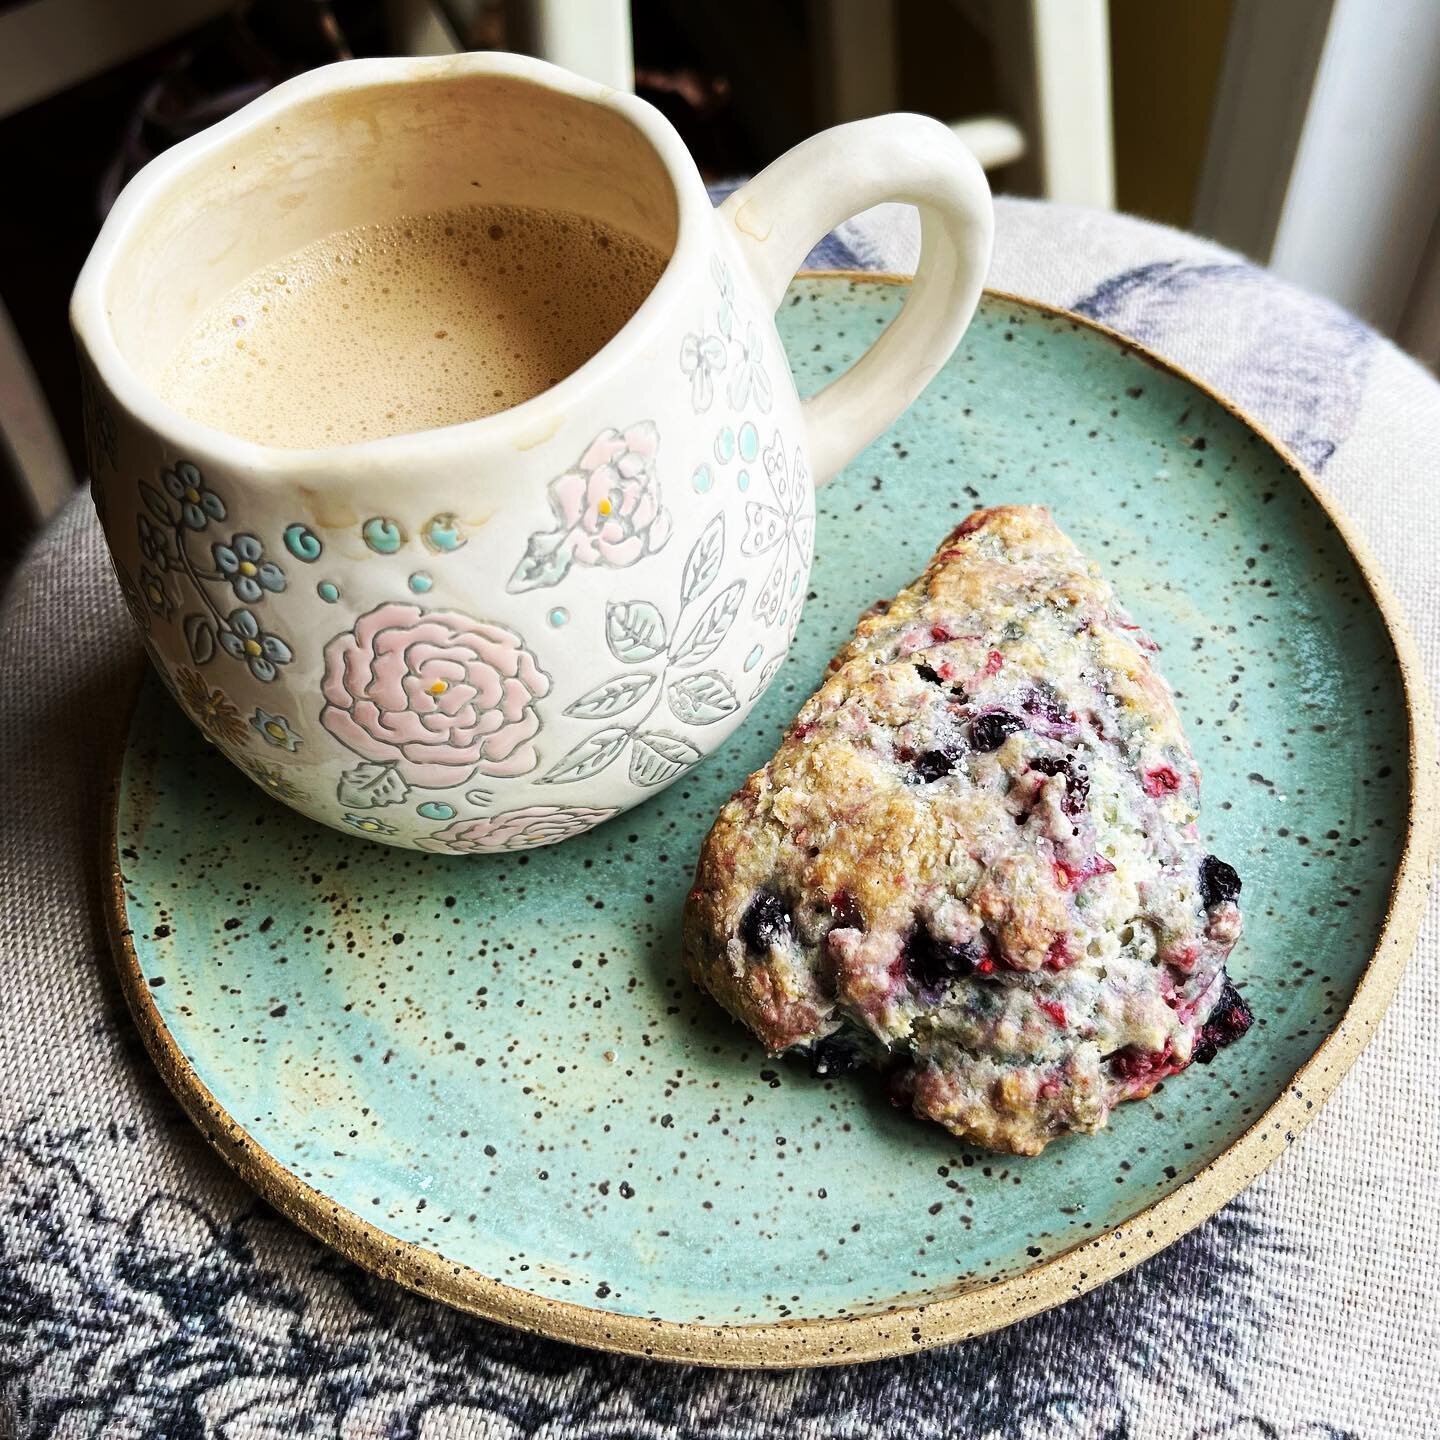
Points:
[(383, 535), (442, 534), (303, 543)]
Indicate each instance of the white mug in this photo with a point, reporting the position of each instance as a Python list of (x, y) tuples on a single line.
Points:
[(496, 634)]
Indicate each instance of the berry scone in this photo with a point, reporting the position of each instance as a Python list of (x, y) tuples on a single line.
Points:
[(973, 862)]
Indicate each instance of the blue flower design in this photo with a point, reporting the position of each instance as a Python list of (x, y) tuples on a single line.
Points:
[(246, 641), (369, 825), (242, 562), (199, 505), (153, 588), (275, 730), (154, 543)]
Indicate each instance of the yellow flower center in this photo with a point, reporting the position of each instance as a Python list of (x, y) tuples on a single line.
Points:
[(604, 507), (252, 647), (274, 731), (438, 688), (369, 825), (192, 494), (246, 568)]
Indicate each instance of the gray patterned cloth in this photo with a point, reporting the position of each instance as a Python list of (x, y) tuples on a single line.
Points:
[(144, 1292)]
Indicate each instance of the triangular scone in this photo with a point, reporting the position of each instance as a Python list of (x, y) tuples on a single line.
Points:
[(973, 861)]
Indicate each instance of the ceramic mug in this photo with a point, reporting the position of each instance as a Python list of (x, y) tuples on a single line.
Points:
[(497, 634)]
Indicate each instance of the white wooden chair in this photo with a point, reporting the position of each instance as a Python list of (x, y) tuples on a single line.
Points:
[(1053, 58)]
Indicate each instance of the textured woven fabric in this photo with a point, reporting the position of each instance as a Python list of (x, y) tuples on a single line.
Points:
[(145, 1292)]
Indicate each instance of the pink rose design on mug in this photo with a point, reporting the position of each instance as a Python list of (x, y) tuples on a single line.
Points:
[(524, 829), (607, 510), (429, 699)]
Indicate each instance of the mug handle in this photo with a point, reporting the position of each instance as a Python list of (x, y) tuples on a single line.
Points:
[(803, 195)]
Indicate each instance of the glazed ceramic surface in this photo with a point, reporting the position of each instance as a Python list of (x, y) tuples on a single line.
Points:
[(499, 634), (492, 1079)]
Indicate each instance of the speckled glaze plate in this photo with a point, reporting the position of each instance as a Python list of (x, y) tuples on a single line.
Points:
[(490, 1079)]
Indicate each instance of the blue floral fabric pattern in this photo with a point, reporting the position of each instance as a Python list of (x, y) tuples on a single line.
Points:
[(1282, 354), (171, 1318)]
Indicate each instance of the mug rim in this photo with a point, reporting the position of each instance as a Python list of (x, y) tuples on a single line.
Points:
[(516, 425)]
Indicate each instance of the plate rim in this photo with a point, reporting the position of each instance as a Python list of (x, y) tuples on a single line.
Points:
[(849, 1339)]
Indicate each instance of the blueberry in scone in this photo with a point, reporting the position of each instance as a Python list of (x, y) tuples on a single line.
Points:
[(974, 861)]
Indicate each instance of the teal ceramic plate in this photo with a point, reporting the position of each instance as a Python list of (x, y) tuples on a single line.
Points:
[(490, 1079)]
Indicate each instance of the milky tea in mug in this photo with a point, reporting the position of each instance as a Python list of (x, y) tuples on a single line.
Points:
[(422, 321)]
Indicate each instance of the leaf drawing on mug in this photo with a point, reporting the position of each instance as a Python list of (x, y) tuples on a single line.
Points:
[(702, 698), (589, 757), (369, 785), (724, 282), (638, 635), (634, 631), (767, 674), (702, 565), (611, 698), (199, 637), (606, 507), (711, 628), (659, 756)]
